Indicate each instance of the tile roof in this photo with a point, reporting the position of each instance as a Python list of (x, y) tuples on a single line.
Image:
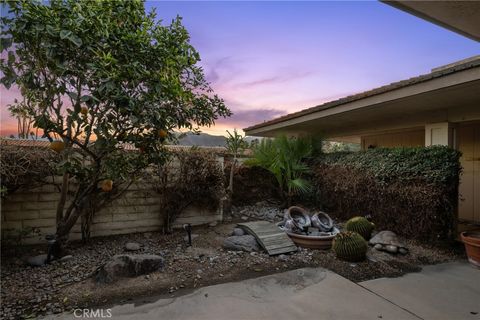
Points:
[(470, 63)]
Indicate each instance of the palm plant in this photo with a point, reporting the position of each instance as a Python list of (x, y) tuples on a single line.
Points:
[(284, 158), (235, 144)]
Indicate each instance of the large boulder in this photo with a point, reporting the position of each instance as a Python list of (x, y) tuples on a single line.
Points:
[(241, 243), (128, 265)]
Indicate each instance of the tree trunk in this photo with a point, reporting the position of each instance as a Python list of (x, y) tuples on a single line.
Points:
[(63, 198), (232, 169), (227, 204), (74, 211)]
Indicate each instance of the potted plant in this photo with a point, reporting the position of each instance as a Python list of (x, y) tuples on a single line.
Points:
[(471, 239)]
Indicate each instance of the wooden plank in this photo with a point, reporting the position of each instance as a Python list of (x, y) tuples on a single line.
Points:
[(278, 246), (269, 236), (280, 251)]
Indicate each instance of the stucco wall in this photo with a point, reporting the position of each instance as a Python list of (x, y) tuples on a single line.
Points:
[(138, 210), (403, 138)]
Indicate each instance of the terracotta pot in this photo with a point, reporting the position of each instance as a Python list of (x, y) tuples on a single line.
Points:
[(312, 242), (471, 239)]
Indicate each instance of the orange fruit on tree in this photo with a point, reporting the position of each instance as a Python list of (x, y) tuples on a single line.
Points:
[(107, 185), (162, 133), (84, 110), (57, 146)]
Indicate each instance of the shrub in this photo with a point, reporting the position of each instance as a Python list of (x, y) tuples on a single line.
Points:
[(285, 158), (436, 164), (411, 191), (252, 185), (190, 177), (24, 167)]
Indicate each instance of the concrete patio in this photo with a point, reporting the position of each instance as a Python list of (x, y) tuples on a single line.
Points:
[(447, 291), (444, 291)]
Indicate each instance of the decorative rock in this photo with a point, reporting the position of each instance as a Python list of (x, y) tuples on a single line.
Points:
[(312, 231), (282, 257), (244, 218), (194, 235), (37, 261), (66, 258), (57, 310), (402, 251), (238, 232), (390, 248), (132, 246), (271, 215), (128, 266), (378, 246), (388, 240), (241, 243), (213, 224)]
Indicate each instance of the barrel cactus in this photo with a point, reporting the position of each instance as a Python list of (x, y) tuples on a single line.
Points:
[(350, 246), (361, 226)]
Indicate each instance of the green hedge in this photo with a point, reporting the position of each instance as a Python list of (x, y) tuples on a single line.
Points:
[(436, 164), (411, 191)]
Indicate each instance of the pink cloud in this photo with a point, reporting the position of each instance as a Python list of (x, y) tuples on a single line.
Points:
[(243, 118)]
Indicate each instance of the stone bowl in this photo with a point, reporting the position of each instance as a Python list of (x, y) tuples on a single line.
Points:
[(312, 242)]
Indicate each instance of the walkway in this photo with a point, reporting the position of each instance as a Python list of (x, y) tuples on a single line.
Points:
[(447, 291)]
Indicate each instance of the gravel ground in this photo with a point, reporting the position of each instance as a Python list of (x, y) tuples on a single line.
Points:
[(62, 286), (268, 212)]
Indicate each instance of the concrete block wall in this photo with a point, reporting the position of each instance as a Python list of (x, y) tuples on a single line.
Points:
[(138, 210)]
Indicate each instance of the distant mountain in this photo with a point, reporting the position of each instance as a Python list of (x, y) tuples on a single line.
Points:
[(202, 139)]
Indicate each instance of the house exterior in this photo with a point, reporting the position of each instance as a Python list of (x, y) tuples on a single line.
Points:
[(438, 108)]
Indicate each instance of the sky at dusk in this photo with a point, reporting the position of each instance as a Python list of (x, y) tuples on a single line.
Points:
[(266, 59)]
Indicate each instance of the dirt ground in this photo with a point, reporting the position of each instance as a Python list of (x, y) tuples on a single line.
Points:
[(64, 286)]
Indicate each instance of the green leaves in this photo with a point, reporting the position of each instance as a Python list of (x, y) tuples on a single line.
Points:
[(235, 142), (64, 34), (413, 191), (284, 157), (101, 74), (5, 43), (435, 164), (11, 57), (72, 95), (75, 40), (69, 35)]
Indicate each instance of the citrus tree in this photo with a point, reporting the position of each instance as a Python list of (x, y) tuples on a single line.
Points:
[(103, 76)]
